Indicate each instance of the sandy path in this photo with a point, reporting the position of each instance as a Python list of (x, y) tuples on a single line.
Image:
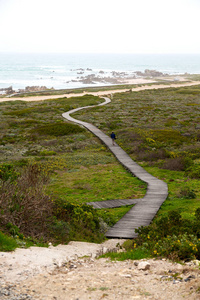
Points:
[(23, 263), (102, 93)]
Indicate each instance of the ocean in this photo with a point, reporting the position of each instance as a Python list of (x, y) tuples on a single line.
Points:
[(62, 71)]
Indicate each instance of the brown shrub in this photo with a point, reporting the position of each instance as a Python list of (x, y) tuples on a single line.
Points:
[(174, 164), (25, 204), (152, 155)]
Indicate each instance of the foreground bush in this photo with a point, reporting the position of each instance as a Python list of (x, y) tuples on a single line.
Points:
[(180, 247), (171, 236), (24, 204), (83, 220), (27, 212), (7, 243)]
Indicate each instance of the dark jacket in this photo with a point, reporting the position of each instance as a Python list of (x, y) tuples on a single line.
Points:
[(113, 136)]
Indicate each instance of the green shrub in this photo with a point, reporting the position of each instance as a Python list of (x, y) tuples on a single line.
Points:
[(171, 236), (7, 243), (193, 171), (23, 123), (7, 172), (27, 111), (83, 219), (168, 136), (21, 162), (188, 91), (180, 247), (14, 230), (59, 230), (19, 113), (47, 153), (187, 193), (58, 129)]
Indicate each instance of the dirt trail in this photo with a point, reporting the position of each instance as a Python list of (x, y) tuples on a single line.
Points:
[(71, 272)]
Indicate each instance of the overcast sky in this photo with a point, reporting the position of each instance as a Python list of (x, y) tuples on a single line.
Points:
[(115, 26)]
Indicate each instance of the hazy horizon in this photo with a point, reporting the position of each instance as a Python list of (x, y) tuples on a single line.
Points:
[(114, 26)]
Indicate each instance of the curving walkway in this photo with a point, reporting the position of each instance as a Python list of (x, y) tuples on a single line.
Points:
[(144, 209)]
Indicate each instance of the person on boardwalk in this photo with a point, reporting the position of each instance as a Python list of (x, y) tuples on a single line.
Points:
[(113, 137)]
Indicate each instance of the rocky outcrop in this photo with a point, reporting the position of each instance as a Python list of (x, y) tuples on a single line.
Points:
[(92, 79), (29, 89), (119, 74), (150, 73), (7, 91)]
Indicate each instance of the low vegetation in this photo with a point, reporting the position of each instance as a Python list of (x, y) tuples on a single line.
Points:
[(170, 236), (157, 128)]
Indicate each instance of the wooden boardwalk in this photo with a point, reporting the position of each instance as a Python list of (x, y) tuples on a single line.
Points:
[(144, 209)]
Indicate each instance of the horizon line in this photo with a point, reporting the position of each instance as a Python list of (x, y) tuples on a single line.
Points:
[(111, 53)]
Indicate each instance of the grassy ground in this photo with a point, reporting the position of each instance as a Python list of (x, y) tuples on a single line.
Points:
[(103, 182)]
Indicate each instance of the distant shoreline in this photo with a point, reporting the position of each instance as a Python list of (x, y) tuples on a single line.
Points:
[(72, 71), (102, 93), (120, 79)]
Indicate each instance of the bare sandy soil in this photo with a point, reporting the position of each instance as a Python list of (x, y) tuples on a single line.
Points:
[(72, 272), (102, 93)]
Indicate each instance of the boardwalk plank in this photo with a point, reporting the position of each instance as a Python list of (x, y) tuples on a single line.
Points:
[(144, 209)]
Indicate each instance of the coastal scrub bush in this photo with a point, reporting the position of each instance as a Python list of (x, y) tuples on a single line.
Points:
[(187, 193), (179, 163), (24, 204), (58, 129), (19, 113), (174, 164), (7, 171), (23, 123), (14, 230), (47, 153), (21, 162), (171, 236), (26, 211), (189, 91), (180, 247), (7, 243), (83, 219), (193, 171), (27, 111), (59, 230), (152, 155), (168, 137)]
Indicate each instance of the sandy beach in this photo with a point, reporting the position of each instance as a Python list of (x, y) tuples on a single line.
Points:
[(106, 92)]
